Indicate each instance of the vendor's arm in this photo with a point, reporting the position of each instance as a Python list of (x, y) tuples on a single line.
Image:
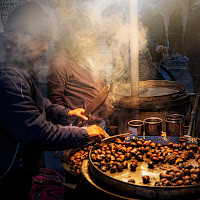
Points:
[(59, 114), (23, 117)]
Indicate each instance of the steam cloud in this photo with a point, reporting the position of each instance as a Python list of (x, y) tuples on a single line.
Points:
[(111, 22)]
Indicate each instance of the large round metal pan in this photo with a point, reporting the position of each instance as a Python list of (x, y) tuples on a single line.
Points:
[(152, 94), (85, 170), (119, 180)]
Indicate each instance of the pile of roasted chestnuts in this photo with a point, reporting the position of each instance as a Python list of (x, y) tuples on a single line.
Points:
[(76, 159), (119, 155)]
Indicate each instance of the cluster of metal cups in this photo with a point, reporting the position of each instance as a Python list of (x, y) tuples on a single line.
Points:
[(152, 126)]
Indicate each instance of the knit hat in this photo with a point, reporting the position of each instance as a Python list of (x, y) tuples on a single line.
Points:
[(29, 18)]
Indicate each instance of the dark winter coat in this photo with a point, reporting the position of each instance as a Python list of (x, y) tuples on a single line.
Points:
[(156, 31), (192, 46), (192, 36), (24, 119), (175, 33)]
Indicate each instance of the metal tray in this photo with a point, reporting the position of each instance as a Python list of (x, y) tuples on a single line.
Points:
[(119, 180)]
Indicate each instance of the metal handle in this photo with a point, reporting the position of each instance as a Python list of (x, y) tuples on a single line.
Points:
[(55, 155), (193, 113)]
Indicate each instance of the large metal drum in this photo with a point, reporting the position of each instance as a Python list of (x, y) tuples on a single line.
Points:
[(156, 99)]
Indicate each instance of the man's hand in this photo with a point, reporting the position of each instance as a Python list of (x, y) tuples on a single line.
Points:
[(78, 112), (95, 133)]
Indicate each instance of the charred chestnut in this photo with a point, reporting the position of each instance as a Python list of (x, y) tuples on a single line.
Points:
[(186, 178), (179, 175), (179, 182), (146, 143), (187, 182), (128, 156), (113, 169), (162, 175), (194, 183), (158, 183), (183, 145), (133, 167), (103, 163), (179, 160), (119, 167), (151, 164), (194, 177), (153, 145), (167, 183), (174, 180), (197, 171), (182, 139), (131, 180), (191, 153), (148, 154), (139, 143), (103, 168), (188, 166), (99, 158), (175, 146), (155, 159), (125, 164), (186, 172), (140, 158), (146, 179), (118, 141), (134, 139)]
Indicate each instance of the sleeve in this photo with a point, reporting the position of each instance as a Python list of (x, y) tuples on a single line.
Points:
[(56, 113), (56, 82), (24, 122)]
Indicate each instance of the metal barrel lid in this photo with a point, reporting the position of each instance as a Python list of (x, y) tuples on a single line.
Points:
[(152, 94), (175, 118)]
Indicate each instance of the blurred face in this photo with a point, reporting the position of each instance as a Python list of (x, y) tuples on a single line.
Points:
[(32, 48), (87, 39)]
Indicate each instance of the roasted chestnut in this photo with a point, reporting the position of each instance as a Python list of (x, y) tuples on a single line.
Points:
[(132, 167), (125, 164), (119, 167), (146, 179), (113, 169), (179, 182), (162, 175), (167, 183), (187, 182), (131, 180), (103, 168), (195, 177), (153, 145), (151, 164), (179, 175)]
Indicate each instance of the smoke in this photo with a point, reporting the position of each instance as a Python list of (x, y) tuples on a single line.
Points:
[(111, 23)]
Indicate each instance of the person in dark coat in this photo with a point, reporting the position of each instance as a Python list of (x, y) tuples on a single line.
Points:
[(191, 45), (175, 31), (25, 126), (153, 21)]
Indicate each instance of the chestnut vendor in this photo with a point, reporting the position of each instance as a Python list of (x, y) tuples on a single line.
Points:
[(77, 74), (25, 126)]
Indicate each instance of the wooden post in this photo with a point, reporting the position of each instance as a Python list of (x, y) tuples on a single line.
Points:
[(134, 47)]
